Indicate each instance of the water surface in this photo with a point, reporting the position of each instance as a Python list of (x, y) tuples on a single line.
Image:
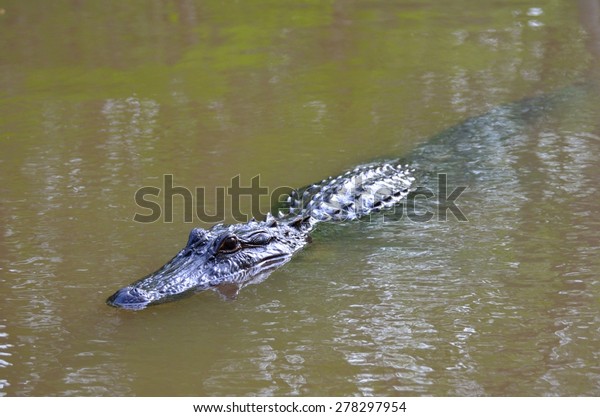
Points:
[(99, 99)]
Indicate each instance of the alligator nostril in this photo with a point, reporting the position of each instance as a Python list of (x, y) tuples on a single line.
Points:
[(129, 298)]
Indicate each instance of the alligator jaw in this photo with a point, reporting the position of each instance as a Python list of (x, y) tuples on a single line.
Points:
[(171, 283), (174, 286), (179, 277)]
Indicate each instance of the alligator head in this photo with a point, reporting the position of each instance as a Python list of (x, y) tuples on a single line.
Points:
[(222, 258)]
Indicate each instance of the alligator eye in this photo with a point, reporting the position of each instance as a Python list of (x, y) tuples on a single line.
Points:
[(259, 239), (229, 244)]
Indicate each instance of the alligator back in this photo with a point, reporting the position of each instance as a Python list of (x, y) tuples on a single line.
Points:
[(364, 190)]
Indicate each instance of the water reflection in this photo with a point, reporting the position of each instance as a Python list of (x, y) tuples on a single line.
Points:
[(5, 357), (130, 135)]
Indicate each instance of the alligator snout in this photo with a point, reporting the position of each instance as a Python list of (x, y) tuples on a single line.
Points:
[(129, 298)]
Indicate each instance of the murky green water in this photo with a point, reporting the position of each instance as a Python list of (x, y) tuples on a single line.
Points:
[(98, 99)]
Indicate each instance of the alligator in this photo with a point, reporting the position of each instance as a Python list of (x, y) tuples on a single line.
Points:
[(228, 257)]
